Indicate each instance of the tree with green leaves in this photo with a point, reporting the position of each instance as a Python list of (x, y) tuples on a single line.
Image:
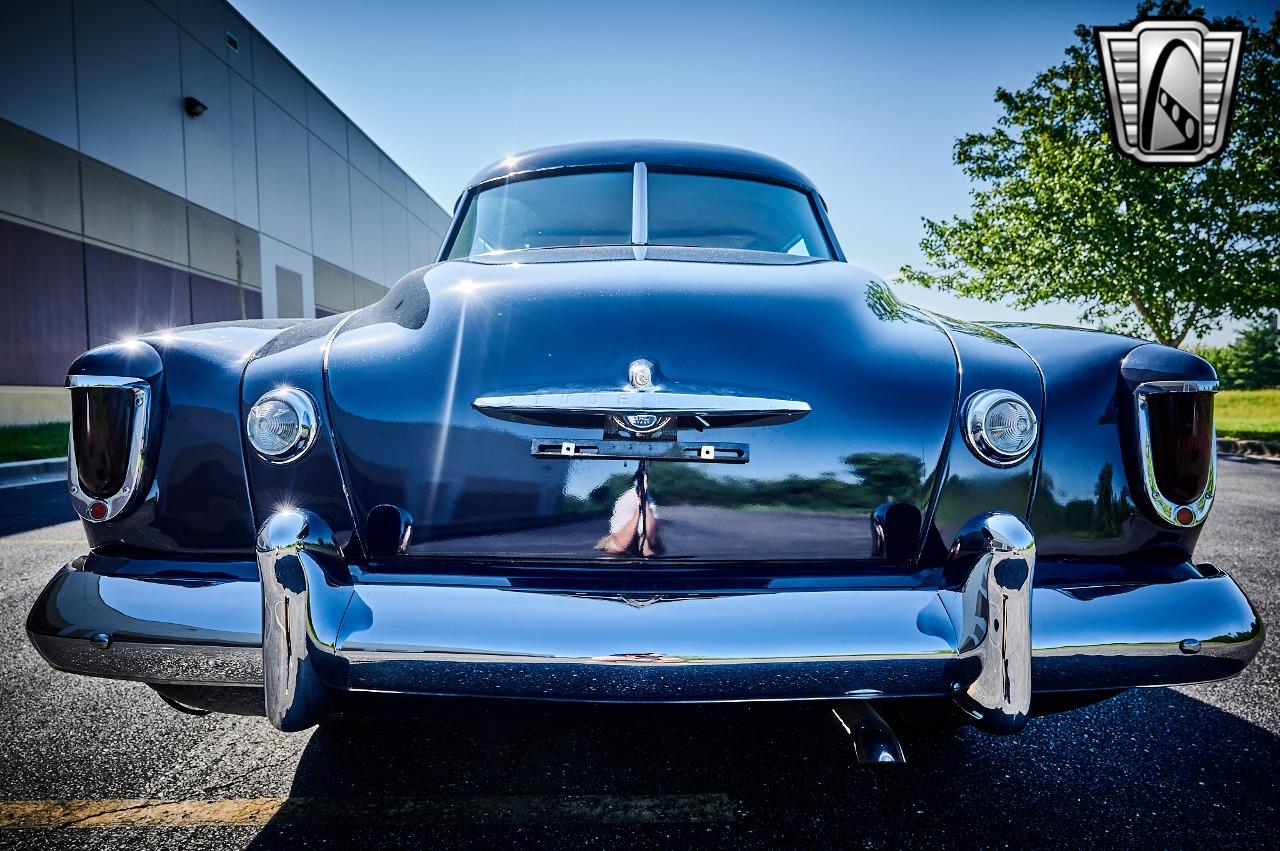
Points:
[(1058, 215)]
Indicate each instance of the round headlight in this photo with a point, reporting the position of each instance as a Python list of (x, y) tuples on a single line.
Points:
[(1000, 427), (282, 425)]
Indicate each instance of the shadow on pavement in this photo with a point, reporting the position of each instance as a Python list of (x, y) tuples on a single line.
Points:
[(34, 507), (1151, 768)]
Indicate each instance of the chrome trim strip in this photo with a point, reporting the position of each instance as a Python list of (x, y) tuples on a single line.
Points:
[(1165, 507), (640, 205), (83, 502), (534, 407)]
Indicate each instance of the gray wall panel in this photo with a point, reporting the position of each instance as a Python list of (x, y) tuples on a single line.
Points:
[(366, 226), (129, 90), (37, 65), (437, 241), (278, 79), (438, 220), (169, 7), (209, 21), (39, 180), (420, 253), (223, 247), (418, 203), (325, 121), (330, 204), (391, 177), (284, 184), (395, 241), (124, 211), (363, 154), (334, 288), (367, 292), (210, 170), (244, 152)]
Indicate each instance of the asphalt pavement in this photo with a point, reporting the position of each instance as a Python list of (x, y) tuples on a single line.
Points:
[(1192, 766)]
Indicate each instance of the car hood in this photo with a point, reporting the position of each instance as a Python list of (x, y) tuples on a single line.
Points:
[(878, 378)]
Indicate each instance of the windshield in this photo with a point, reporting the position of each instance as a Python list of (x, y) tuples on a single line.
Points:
[(595, 208)]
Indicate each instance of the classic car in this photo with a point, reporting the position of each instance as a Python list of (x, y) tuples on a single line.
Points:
[(642, 435)]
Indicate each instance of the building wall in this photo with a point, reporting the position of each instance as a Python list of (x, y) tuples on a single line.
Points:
[(120, 213)]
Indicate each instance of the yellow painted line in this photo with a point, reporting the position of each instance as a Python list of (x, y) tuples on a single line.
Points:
[(255, 812)]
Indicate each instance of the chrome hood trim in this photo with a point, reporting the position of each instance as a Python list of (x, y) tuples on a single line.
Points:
[(546, 407)]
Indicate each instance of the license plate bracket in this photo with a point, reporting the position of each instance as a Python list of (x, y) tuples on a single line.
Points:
[(709, 452)]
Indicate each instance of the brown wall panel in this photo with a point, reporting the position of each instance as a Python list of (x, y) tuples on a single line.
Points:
[(42, 325), (129, 295), (218, 301)]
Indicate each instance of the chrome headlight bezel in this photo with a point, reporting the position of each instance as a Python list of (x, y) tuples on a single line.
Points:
[(308, 425), (976, 435)]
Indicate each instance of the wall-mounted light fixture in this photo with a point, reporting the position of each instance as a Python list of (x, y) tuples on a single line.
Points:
[(193, 106)]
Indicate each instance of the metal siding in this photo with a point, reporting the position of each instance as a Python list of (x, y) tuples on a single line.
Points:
[(284, 193), (129, 295), (210, 171), (325, 121), (391, 178), (362, 153), (129, 90), (244, 152), (209, 21), (38, 68), (39, 180), (334, 288), (277, 79), (214, 301), (418, 202), (420, 244), (366, 226), (223, 247), (395, 241), (42, 328), (330, 203), (127, 212)]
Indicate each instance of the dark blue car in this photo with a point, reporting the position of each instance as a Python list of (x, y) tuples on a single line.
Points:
[(642, 435)]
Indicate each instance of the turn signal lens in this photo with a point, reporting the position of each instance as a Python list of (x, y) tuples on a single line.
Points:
[(282, 425), (1000, 427)]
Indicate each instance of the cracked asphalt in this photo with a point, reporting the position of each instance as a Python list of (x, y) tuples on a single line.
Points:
[(1192, 766)]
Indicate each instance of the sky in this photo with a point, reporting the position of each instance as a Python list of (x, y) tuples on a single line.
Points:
[(866, 99)]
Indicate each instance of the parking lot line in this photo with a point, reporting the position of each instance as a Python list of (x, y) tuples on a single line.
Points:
[(248, 812)]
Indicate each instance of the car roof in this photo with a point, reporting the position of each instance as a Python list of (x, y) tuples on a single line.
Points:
[(681, 155)]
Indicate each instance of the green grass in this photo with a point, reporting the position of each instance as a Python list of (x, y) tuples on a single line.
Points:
[(1248, 414), (27, 443)]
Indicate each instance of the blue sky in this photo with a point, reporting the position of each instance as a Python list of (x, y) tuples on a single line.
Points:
[(867, 99)]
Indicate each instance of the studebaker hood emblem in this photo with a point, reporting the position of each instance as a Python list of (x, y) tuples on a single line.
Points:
[(645, 405)]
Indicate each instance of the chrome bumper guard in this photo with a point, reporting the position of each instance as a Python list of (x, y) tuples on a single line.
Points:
[(990, 642)]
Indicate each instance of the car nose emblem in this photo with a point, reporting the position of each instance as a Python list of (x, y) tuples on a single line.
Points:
[(640, 374)]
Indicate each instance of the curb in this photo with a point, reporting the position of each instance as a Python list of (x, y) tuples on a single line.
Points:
[(1260, 450), (16, 474)]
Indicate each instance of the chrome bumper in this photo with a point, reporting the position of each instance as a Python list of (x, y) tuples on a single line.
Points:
[(328, 632)]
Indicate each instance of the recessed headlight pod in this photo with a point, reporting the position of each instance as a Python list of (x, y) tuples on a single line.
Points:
[(282, 425), (1000, 427)]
